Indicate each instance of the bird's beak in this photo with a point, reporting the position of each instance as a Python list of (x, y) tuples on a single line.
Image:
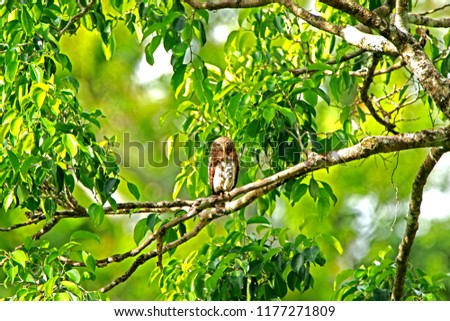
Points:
[(224, 149)]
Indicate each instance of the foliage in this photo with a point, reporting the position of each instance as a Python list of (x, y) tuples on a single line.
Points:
[(278, 97), (36, 273), (242, 266), (374, 282)]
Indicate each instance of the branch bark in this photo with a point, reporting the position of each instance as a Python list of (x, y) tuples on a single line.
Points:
[(417, 61), (205, 207), (367, 147), (412, 224), (419, 19), (368, 102), (350, 34), (401, 15)]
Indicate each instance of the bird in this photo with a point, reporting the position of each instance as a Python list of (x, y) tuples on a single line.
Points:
[(223, 167)]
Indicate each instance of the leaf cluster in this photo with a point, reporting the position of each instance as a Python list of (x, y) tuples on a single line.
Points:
[(35, 273), (374, 282), (260, 265)]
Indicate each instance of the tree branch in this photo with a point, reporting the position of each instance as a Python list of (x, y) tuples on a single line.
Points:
[(205, 207), (419, 19), (435, 9), (349, 33), (76, 17), (412, 224), (417, 61), (346, 57), (401, 15), (368, 102), (368, 146)]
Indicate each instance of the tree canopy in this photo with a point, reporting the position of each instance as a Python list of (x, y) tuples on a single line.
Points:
[(338, 109)]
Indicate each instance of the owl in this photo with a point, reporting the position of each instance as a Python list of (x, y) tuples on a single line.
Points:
[(223, 166)]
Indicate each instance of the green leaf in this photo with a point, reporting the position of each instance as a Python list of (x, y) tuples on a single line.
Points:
[(320, 67), (35, 73), (110, 186), (323, 205), (300, 239), (289, 114), (89, 261), (96, 213), (66, 247), (178, 77), (292, 280), (84, 235), (297, 193), (20, 257), (171, 38), (117, 5), (341, 277), (49, 286), (269, 114), (199, 284), (259, 220), (110, 48), (322, 95), (13, 160), (280, 286), (211, 229), (237, 281), (313, 188), (310, 254), (74, 275), (133, 189), (255, 268), (62, 297), (151, 48), (140, 229), (71, 144), (332, 241), (152, 220), (26, 21), (330, 192), (297, 262), (49, 207), (11, 64), (9, 199), (16, 126), (73, 288)]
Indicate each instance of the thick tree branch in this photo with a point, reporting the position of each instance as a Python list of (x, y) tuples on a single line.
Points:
[(368, 146), (205, 207), (349, 33), (401, 15), (418, 19), (206, 216), (417, 61), (412, 224)]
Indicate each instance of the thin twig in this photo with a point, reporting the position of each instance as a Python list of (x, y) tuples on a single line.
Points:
[(434, 10), (76, 17), (346, 57)]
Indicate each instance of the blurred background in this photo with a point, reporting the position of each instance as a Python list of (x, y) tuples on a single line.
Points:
[(372, 195)]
